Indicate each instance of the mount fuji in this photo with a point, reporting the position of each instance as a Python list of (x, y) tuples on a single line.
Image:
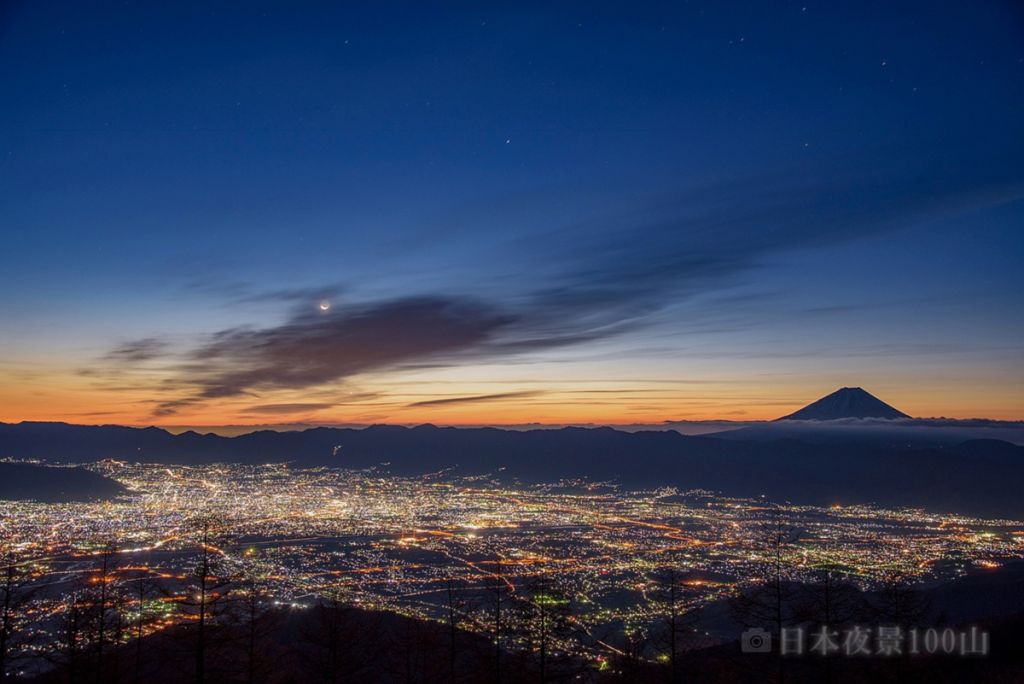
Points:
[(848, 402)]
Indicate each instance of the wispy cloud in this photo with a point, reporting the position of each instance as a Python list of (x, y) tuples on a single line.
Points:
[(315, 348), (286, 408), (170, 408), (475, 399), (137, 351)]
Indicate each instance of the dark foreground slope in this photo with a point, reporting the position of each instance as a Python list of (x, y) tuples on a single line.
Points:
[(333, 642), (983, 478), (323, 643), (21, 481), (987, 600), (727, 664)]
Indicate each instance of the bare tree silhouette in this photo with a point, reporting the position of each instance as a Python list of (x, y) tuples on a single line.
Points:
[(899, 603), (102, 593), (669, 598), (16, 592), (207, 591), (69, 654), (146, 589), (549, 619), (253, 624), (338, 646), (770, 604), (831, 602), (496, 599), (631, 643), (454, 610)]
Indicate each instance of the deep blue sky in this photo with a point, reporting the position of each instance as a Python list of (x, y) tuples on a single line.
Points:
[(747, 202)]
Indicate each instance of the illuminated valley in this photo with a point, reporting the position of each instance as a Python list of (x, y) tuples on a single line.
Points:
[(298, 536)]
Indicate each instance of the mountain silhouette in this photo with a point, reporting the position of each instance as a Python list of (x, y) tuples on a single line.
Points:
[(25, 481), (982, 477), (848, 402)]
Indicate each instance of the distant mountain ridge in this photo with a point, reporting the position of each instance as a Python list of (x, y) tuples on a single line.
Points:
[(982, 477), (848, 402)]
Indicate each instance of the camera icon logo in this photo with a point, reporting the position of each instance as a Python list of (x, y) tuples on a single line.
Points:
[(756, 640)]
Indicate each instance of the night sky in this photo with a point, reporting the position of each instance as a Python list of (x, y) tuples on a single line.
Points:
[(229, 213)]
